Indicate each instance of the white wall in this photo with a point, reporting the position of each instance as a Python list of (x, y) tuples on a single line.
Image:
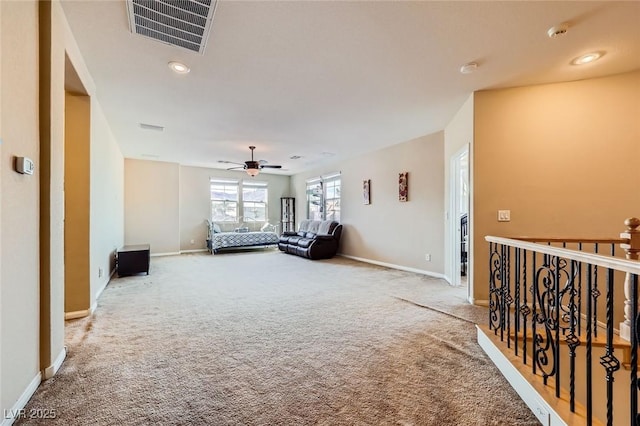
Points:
[(107, 201), (167, 205), (19, 224), (32, 92), (195, 204), (388, 231), (151, 205), (457, 134)]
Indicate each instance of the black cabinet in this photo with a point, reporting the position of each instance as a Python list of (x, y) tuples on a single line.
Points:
[(133, 259), (288, 214)]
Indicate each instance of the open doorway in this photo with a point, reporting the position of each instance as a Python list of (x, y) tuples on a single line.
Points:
[(77, 135), (459, 216)]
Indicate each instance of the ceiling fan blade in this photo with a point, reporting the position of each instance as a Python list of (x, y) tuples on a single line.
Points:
[(264, 166), (229, 162), (236, 168)]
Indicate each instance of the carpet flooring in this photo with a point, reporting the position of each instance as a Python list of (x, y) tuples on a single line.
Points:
[(265, 338)]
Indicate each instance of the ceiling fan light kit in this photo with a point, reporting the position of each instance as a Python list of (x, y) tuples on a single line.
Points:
[(252, 167)]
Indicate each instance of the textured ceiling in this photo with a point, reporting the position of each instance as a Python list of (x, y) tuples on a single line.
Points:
[(329, 80)]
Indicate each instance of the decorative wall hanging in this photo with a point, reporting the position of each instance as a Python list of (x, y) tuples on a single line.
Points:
[(366, 191), (403, 186)]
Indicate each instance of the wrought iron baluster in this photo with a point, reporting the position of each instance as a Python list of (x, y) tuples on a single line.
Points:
[(557, 301), (595, 293), (572, 339), (525, 307), (502, 301), (580, 295), (588, 349), (609, 361), (495, 266), (546, 298), (508, 300), (634, 352), (534, 310), (516, 311)]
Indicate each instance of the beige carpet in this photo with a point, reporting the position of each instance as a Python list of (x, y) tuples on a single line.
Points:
[(265, 338)]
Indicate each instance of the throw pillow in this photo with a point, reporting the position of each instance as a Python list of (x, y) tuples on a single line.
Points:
[(216, 228)]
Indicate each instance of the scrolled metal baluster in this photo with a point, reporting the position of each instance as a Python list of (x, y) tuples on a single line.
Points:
[(608, 360), (545, 346), (495, 270)]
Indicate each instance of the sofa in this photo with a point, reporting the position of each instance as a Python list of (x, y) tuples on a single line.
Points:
[(315, 239)]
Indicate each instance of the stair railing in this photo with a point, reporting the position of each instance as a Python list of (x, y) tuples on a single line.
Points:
[(545, 305)]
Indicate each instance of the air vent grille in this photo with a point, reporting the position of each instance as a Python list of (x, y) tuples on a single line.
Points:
[(183, 23)]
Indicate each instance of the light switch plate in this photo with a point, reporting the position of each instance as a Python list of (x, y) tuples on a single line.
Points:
[(504, 215)]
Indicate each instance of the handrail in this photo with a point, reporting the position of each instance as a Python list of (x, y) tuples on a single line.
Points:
[(630, 266), (573, 240)]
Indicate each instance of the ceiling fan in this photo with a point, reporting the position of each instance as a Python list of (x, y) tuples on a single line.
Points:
[(252, 167)]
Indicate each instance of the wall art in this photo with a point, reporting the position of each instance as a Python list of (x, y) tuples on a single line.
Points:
[(366, 191), (403, 186)]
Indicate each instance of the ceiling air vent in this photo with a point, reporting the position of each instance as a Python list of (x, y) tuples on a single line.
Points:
[(182, 23)]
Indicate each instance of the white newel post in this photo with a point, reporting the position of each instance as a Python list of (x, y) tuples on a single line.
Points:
[(632, 249)]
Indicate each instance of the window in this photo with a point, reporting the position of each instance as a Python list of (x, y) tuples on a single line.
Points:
[(230, 197), (224, 200), (323, 198), (332, 197), (315, 204), (254, 201)]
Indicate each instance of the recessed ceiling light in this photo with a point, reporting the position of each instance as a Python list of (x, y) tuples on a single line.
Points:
[(588, 58), (178, 67), (469, 68)]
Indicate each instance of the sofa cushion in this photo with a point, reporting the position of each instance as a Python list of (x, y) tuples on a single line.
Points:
[(326, 227), (294, 239), (305, 242), (304, 225), (314, 226)]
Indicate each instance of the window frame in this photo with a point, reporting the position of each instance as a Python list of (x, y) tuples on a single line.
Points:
[(255, 185), (240, 187), (319, 187)]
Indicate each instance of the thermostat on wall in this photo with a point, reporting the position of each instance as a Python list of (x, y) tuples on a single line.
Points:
[(24, 165)]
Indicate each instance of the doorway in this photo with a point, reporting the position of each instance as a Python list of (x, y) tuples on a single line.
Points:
[(459, 218), (77, 181)]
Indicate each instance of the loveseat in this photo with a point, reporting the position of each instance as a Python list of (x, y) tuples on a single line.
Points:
[(315, 239)]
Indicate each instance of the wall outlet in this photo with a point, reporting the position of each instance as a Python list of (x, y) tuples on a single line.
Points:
[(504, 215), (193, 241), (427, 257)]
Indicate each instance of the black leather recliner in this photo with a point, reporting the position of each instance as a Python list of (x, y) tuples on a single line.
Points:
[(315, 239)]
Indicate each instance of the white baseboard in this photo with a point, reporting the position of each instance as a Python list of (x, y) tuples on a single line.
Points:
[(527, 392), (193, 251), (51, 370), (173, 253), (393, 266), (11, 415), (78, 314)]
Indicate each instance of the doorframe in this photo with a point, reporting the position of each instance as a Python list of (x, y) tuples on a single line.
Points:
[(454, 214)]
